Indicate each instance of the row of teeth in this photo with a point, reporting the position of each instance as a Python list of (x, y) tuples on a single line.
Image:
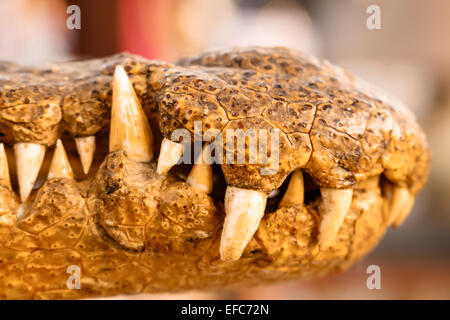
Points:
[(130, 132)]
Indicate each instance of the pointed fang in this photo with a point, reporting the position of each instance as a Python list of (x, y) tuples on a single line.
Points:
[(169, 155), (29, 157), (295, 193), (244, 210), (334, 208), (130, 130), (86, 150), (60, 166)]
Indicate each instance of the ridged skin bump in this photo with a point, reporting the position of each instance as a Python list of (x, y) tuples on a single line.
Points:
[(132, 230)]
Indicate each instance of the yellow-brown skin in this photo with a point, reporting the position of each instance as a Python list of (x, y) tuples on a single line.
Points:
[(131, 230)]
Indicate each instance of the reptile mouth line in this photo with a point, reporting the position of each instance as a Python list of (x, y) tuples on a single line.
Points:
[(244, 208), (96, 184)]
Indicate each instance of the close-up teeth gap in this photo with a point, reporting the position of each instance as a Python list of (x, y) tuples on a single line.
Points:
[(219, 184), (73, 158), (200, 176), (275, 196), (180, 169), (312, 190)]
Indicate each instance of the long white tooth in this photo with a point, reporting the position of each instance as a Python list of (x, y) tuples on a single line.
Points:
[(29, 157), (295, 193), (169, 155), (244, 210), (130, 130), (60, 166), (200, 176), (334, 207), (86, 150), (401, 205), (4, 170)]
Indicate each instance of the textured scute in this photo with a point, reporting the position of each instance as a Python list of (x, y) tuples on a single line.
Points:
[(293, 242), (269, 168), (32, 122), (184, 107), (122, 198), (8, 200)]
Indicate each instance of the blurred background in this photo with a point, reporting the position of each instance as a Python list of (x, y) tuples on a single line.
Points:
[(408, 57)]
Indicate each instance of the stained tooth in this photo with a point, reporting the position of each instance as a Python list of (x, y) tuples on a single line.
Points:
[(295, 192), (334, 208), (244, 210), (60, 166), (4, 170), (169, 155), (201, 174), (29, 157), (130, 130), (86, 150), (401, 205)]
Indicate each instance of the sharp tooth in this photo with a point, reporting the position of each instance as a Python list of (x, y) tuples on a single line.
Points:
[(169, 155), (4, 170), (130, 130), (29, 157), (86, 150), (334, 208), (401, 205), (244, 210), (201, 174), (295, 192), (60, 166)]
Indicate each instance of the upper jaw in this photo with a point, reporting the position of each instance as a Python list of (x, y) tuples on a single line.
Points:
[(125, 188), (76, 97)]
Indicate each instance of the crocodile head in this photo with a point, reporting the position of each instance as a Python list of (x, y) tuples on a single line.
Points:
[(241, 166)]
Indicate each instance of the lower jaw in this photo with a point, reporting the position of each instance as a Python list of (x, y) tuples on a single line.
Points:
[(180, 245)]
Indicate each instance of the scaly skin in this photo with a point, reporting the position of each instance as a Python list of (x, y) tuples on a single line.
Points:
[(131, 230)]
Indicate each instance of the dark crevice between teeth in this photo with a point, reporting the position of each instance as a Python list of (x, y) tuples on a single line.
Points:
[(385, 186), (312, 190), (219, 184), (312, 193), (272, 202)]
